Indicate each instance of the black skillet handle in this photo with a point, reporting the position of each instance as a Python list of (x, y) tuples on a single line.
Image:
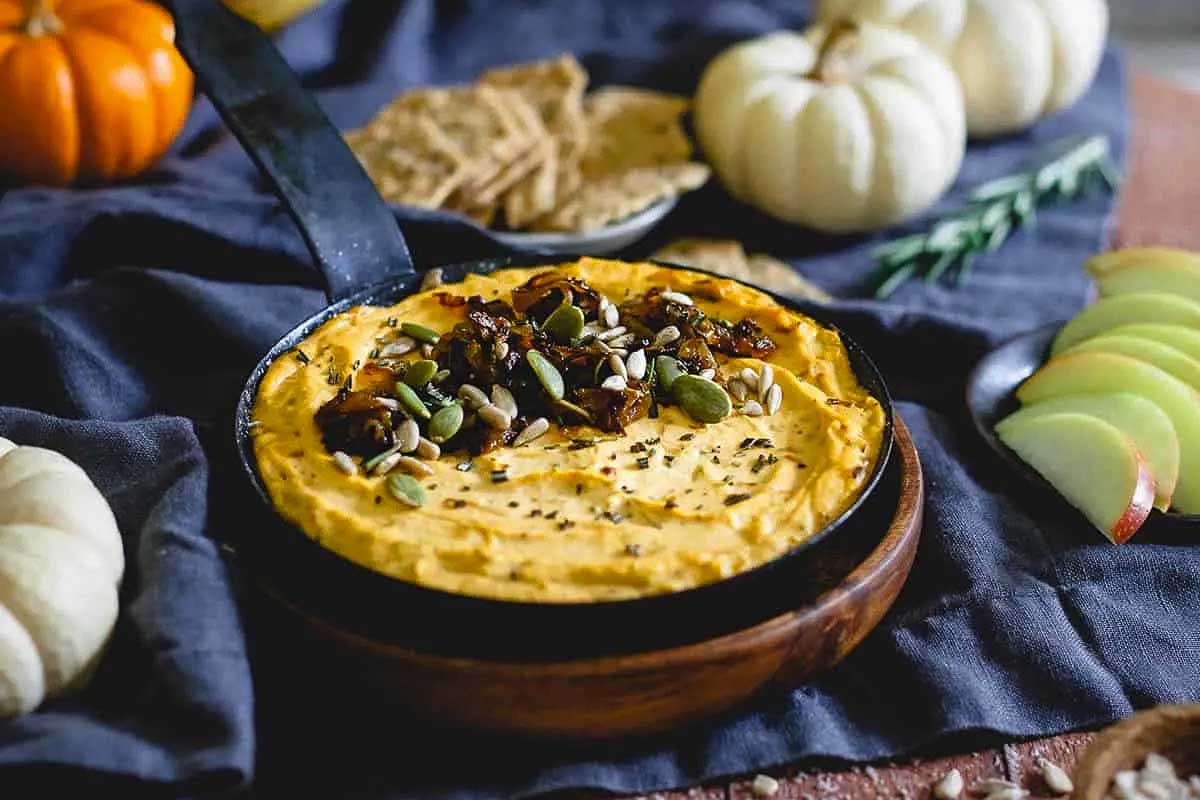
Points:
[(348, 228)]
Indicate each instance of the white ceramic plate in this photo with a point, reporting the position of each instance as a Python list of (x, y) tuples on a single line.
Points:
[(606, 240)]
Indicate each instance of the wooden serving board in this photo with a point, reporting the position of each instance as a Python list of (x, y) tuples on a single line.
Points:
[(849, 588)]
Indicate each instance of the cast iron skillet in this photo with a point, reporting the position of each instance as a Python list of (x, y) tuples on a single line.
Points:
[(362, 256), (992, 396)]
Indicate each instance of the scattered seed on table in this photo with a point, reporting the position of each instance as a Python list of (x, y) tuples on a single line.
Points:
[(764, 785), (1055, 777), (949, 787), (432, 279), (991, 785)]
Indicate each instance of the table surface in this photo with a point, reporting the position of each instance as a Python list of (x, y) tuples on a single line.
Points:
[(1159, 205)]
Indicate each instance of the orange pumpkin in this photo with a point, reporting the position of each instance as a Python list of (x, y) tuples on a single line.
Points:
[(90, 90)]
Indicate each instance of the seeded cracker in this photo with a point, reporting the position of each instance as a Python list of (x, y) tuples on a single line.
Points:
[(555, 89), (607, 199), (409, 159), (728, 257), (633, 128)]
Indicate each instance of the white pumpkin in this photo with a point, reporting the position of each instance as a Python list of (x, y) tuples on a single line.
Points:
[(61, 563), (841, 128), (1018, 60)]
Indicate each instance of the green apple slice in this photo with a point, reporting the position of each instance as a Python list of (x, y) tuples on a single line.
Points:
[(1106, 263), (1127, 309), (1185, 340), (1091, 463), (1181, 279), (1106, 373), (1163, 356), (1146, 425)]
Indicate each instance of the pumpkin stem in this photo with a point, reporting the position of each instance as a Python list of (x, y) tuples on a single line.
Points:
[(833, 59), (40, 19)]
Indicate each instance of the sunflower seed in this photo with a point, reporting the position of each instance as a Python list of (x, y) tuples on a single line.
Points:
[(564, 324), (635, 365), (385, 466), (618, 351), (432, 279), (752, 408), (1007, 794), (738, 390), (1125, 785), (547, 374), (501, 351), (345, 463), (701, 399), (494, 417), (408, 436), (611, 333), (707, 374), (406, 489), (603, 304), (411, 401), (428, 450), (427, 350), (766, 379), (1056, 778), (618, 366), (420, 373), (445, 423), (677, 297), (750, 378), (949, 787), (666, 336), (667, 371), (611, 316), (472, 396), (990, 786), (614, 383), (374, 461), (402, 345), (503, 399), (420, 332), (532, 431), (764, 786), (774, 399), (622, 342), (412, 466), (1158, 764)]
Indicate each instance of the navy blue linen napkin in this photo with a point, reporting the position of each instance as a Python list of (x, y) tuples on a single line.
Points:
[(134, 313)]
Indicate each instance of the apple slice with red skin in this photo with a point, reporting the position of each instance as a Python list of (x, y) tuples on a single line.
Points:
[(1104, 373), (1091, 463), (1127, 309), (1146, 425)]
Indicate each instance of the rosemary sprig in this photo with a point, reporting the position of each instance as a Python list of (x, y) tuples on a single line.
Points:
[(993, 211)]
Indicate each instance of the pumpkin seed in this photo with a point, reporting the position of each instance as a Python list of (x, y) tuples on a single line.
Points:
[(420, 373), (766, 379), (406, 489), (574, 409), (752, 408), (667, 370), (432, 279), (614, 383), (611, 316), (412, 466), (402, 345), (473, 396), (949, 787), (677, 297), (635, 365), (666, 336), (548, 376), (617, 366), (428, 450), (408, 435), (345, 463), (420, 332), (532, 431), (371, 463), (564, 324), (503, 399), (445, 423), (774, 399), (411, 402), (701, 399), (495, 417)]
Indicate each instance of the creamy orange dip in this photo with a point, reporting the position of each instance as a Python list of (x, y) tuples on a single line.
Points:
[(670, 505)]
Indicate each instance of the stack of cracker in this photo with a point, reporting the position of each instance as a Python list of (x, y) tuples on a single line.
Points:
[(729, 258), (525, 149)]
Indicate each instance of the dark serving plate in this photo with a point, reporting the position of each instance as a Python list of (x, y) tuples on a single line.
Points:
[(991, 396)]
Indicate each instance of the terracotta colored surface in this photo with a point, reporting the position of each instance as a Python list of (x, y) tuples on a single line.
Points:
[(1160, 204)]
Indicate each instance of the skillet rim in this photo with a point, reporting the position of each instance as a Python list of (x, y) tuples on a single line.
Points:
[(392, 290)]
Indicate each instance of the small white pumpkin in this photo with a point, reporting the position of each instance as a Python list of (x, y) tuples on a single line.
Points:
[(1018, 60), (847, 127), (61, 563)]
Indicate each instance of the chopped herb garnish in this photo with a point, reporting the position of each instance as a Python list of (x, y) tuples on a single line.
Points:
[(580, 444), (454, 502), (669, 460), (633, 549), (513, 504), (579, 488), (614, 517), (638, 447), (670, 504), (537, 512), (552, 514), (643, 463), (734, 499), (566, 523), (499, 475), (687, 437), (716, 459), (301, 356)]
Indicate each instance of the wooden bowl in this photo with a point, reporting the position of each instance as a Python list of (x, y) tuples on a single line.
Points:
[(1172, 731), (620, 695)]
